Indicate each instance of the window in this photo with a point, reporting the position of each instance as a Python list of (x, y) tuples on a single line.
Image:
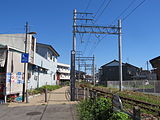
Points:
[(53, 58), (49, 56)]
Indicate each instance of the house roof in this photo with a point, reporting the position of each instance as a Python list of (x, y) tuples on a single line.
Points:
[(50, 47), (155, 62), (3, 46), (116, 63), (127, 64), (63, 65), (112, 63)]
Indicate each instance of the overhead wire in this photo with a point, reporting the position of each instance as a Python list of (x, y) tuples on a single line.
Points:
[(99, 8), (85, 47), (81, 35), (89, 2), (99, 40), (133, 10), (97, 20), (108, 3), (130, 4)]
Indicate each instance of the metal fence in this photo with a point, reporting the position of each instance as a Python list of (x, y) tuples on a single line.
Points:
[(148, 86)]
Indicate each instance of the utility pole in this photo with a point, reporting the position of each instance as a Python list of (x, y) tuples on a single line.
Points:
[(25, 64), (85, 69), (147, 66), (120, 54), (93, 69), (95, 29), (72, 81), (148, 75), (79, 53), (87, 66)]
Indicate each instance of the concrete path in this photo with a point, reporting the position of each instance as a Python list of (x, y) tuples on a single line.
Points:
[(57, 108)]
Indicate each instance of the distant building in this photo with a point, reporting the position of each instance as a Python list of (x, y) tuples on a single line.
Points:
[(110, 72), (80, 75), (63, 73), (155, 62)]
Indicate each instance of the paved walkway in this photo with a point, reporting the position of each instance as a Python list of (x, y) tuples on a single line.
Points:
[(58, 107)]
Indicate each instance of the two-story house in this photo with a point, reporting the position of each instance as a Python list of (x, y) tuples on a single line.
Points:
[(40, 69), (44, 70), (110, 72), (63, 73)]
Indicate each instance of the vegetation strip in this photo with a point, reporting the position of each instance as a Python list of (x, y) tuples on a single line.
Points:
[(129, 100), (99, 109), (41, 89)]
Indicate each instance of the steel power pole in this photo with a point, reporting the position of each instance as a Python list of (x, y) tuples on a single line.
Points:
[(120, 53), (108, 30), (24, 83), (73, 52)]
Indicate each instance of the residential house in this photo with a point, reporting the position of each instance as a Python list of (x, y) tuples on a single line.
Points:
[(110, 72), (63, 73), (155, 62), (41, 68), (44, 70)]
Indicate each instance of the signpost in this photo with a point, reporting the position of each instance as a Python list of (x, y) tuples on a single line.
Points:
[(24, 58)]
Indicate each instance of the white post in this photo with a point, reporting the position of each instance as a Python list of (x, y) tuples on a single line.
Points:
[(120, 53)]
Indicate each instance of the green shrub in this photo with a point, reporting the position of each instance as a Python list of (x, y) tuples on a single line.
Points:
[(41, 89), (100, 109), (85, 109), (119, 116), (50, 87)]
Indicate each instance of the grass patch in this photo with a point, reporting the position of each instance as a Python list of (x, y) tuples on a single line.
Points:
[(41, 89), (134, 95)]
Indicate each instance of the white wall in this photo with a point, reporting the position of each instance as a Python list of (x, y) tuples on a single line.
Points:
[(43, 78)]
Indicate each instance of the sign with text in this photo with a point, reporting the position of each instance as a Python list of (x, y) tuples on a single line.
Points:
[(24, 58)]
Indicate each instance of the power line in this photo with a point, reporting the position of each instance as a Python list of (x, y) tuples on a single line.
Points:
[(99, 17), (103, 10), (93, 48), (95, 16), (130, 4), (85, 47), (133, 10), (99, 8), (89, 2)]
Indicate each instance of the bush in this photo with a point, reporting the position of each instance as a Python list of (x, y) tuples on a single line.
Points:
[(100, 109), (50, 87), (119, 116), (41, 89)]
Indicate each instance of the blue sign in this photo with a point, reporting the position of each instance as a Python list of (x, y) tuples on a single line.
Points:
[(24, 58), (8, 77), (19, 78)]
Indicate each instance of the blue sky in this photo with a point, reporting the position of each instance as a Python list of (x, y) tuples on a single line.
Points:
[(52, 20)]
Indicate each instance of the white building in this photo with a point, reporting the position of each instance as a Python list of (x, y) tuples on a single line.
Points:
[(63, 72), (41, 68), (44, 70)]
